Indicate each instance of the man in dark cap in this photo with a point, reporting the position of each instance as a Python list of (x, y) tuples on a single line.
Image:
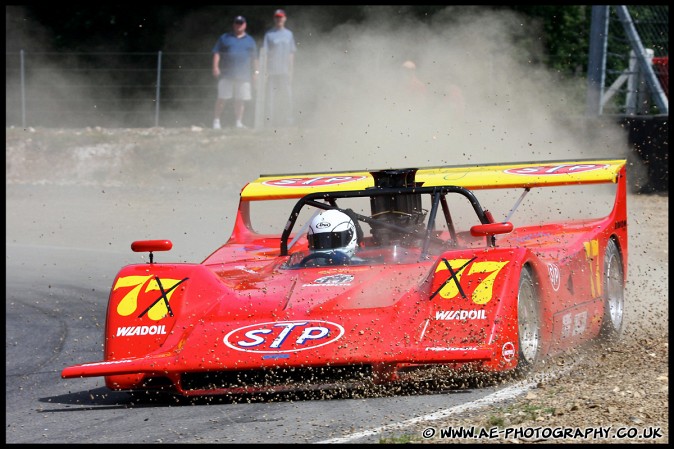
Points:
[(235, 66), (279, 48)]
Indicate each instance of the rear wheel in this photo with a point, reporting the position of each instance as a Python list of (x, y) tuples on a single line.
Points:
[(528, 321), (614, 293)]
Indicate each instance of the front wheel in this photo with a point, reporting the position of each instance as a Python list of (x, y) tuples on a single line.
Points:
[(614, 293), (528, 321)]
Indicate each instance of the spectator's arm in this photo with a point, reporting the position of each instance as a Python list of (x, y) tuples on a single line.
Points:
[(216, 65)]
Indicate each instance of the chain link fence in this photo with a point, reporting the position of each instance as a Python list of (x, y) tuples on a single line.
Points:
[(178, 90), (109, 89), (625, 92)]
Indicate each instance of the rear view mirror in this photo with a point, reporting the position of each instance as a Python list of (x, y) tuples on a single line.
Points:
[(140, 246)]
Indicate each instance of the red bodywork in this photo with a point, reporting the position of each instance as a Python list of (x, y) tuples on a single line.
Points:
[(221, 325)]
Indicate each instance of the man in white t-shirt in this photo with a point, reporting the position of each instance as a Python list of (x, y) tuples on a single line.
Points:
[(279, 45)]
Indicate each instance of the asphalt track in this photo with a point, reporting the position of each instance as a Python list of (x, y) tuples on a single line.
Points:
[(64, 244), (60, 265)]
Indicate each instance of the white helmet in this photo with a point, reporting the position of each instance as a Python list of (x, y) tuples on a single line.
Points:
[(332, 230)]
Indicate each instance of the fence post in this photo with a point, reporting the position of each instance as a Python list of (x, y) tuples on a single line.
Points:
[(596, 66), (23, 92), (156, 110)]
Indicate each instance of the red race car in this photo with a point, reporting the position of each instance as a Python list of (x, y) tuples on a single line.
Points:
[(367, 276)]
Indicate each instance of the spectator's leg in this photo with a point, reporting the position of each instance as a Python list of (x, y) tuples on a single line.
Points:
[(219, 108), (242, 94), (289, 111), (239, 108), (225, 92)]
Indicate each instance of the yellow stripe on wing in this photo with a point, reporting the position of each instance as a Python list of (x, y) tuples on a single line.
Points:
[(487, 176)]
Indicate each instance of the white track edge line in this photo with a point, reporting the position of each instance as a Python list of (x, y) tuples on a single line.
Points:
[(498, 396)]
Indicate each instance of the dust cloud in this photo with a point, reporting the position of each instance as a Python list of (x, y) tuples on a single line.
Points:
[(482, 100), (481, 94), (466, 86)]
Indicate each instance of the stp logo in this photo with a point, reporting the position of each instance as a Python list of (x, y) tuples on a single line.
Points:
[(283, 336), (317, 181), (554, 169)]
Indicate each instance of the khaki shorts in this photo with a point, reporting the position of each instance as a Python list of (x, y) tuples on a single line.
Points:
[(228, 88)]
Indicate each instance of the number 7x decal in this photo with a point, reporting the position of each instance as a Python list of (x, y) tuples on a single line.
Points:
[(159, 308), (452, 286)]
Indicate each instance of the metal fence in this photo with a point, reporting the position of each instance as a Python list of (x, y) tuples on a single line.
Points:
[(109, 89)]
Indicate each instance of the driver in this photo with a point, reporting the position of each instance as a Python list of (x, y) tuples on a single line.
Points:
[(334, 234)]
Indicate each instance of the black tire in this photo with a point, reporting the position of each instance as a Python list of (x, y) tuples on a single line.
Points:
[(528, 321), (614, 293)]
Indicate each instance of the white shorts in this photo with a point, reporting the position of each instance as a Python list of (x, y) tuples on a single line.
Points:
[(228, 88)]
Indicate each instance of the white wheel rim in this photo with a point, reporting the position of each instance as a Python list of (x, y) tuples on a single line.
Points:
[(614, 288), (527, 321)]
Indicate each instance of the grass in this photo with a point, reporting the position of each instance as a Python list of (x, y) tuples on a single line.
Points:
[(402, 439)]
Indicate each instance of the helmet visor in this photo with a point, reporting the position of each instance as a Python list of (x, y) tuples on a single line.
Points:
[(330, 240)]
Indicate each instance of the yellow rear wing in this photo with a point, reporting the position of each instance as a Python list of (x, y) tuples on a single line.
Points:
[(474, 177)]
